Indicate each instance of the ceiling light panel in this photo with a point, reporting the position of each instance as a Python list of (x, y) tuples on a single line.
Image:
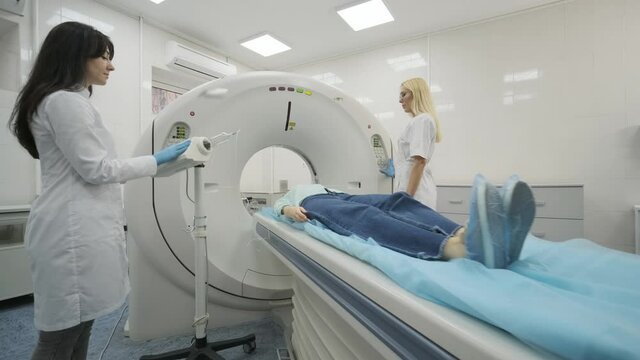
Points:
[(156, 1), (265, 45), (366, 14)]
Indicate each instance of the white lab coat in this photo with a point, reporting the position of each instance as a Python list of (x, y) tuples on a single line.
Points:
[(417, 139), (75, 236)]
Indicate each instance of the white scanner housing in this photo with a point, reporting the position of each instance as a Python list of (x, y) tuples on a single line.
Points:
[(343, 144)]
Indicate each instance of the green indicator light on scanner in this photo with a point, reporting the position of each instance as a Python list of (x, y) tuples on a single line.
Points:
[(300, 90)]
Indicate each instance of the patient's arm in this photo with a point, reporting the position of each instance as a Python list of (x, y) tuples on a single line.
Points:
[(297, 213)]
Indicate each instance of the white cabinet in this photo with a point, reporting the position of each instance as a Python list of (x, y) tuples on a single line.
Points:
[(559, 209), (14, 264)]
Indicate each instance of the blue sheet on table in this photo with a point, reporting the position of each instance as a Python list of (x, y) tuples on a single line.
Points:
[(575, 298)]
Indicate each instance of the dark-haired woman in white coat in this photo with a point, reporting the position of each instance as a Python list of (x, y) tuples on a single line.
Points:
[(75, 234)]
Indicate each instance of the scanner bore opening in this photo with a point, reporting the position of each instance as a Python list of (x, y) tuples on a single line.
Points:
[(270, 173)]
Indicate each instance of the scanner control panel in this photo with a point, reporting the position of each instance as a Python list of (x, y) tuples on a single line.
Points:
[(380, 151), (179, 132)]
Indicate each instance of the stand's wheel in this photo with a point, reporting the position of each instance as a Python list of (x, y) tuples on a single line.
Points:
[(249, 347)]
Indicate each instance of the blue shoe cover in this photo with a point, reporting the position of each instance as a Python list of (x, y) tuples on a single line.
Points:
[(520, 210), (485, 231), (506, 191), (473, 236)]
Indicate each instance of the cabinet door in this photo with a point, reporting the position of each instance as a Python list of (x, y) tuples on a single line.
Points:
[(548, 229), (559, 202), (14, 263), (557, 229), (457, 218), (16, 273)]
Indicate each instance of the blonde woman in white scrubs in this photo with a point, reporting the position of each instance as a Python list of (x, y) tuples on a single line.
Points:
[(417, 142), (75, 234)]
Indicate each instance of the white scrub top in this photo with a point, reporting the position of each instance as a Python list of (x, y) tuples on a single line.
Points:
[(417, 139), (75, 236)]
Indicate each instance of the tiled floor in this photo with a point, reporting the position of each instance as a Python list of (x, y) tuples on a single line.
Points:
[(18, 336)]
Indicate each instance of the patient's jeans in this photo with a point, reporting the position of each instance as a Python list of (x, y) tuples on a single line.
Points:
[(395, 221)]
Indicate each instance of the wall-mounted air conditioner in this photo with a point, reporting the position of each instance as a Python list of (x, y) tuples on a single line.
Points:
[(196, 63), (13, 6)]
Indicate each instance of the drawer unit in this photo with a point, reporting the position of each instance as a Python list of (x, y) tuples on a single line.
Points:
[(559, 209), (557, 229), (457, 218), (559, 202), (14, 263), (453, 199)]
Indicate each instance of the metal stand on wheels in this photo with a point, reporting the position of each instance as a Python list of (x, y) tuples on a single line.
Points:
[(201, 349)]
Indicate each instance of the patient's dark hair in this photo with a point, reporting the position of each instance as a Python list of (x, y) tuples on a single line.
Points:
[(60, 65)]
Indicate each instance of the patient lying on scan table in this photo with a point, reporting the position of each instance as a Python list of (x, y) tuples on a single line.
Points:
[(575, 299), (498, 225)]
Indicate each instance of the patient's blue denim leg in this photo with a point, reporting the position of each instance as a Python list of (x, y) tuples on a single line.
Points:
[(395, 221), (405, 208)]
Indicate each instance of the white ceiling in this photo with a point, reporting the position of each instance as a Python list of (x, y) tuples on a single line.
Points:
[(311, 27)]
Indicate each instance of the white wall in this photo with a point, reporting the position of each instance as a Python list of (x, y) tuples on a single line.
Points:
[(575, 120), (17, 184), (154, 55), (119, 101), (10, 55), (125, 103), (374, 78), (266, 168)]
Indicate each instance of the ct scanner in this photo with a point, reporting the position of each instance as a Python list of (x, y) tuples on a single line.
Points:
[(330, 305)]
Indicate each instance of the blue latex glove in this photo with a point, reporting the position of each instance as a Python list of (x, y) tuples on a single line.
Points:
[(172, 152), (390, 171)]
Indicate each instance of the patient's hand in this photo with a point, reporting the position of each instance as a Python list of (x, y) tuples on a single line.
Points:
[(297, 213)]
